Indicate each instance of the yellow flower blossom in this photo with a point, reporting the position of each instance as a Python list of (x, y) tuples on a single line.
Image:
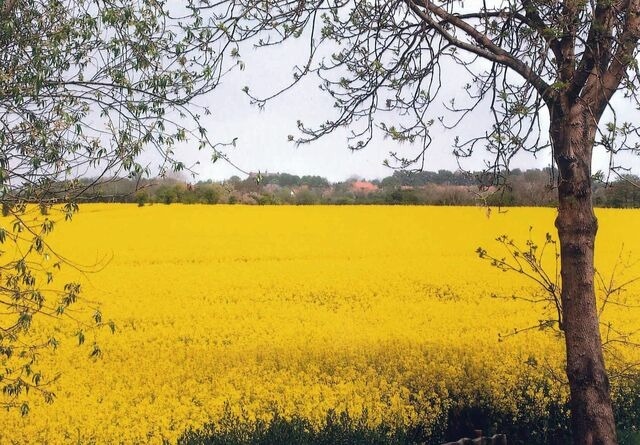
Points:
[(301, 310)]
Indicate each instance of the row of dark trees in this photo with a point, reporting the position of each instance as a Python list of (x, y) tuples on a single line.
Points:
[(522, 188)]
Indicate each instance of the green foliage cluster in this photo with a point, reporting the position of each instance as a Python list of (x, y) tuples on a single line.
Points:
[(525, 427), (338, 429), (627, 410), (84, 86), (29, 293)]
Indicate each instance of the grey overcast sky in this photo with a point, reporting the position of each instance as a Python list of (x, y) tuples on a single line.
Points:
[(262, 134)]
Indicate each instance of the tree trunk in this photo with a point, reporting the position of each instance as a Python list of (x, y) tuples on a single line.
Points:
[(591, 411)]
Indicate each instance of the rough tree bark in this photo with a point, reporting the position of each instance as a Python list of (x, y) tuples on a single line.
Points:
[(573, 134)]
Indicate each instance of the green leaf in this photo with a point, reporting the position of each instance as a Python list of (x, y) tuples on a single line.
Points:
[(81, 337), (96, 352)]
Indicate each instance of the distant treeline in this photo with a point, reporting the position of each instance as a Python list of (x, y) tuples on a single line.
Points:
[(520, 188)]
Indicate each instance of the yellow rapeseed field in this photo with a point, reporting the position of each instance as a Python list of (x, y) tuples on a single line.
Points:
[(302, 310)]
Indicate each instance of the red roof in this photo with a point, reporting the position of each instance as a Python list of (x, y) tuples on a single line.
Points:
[(364, 186)]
